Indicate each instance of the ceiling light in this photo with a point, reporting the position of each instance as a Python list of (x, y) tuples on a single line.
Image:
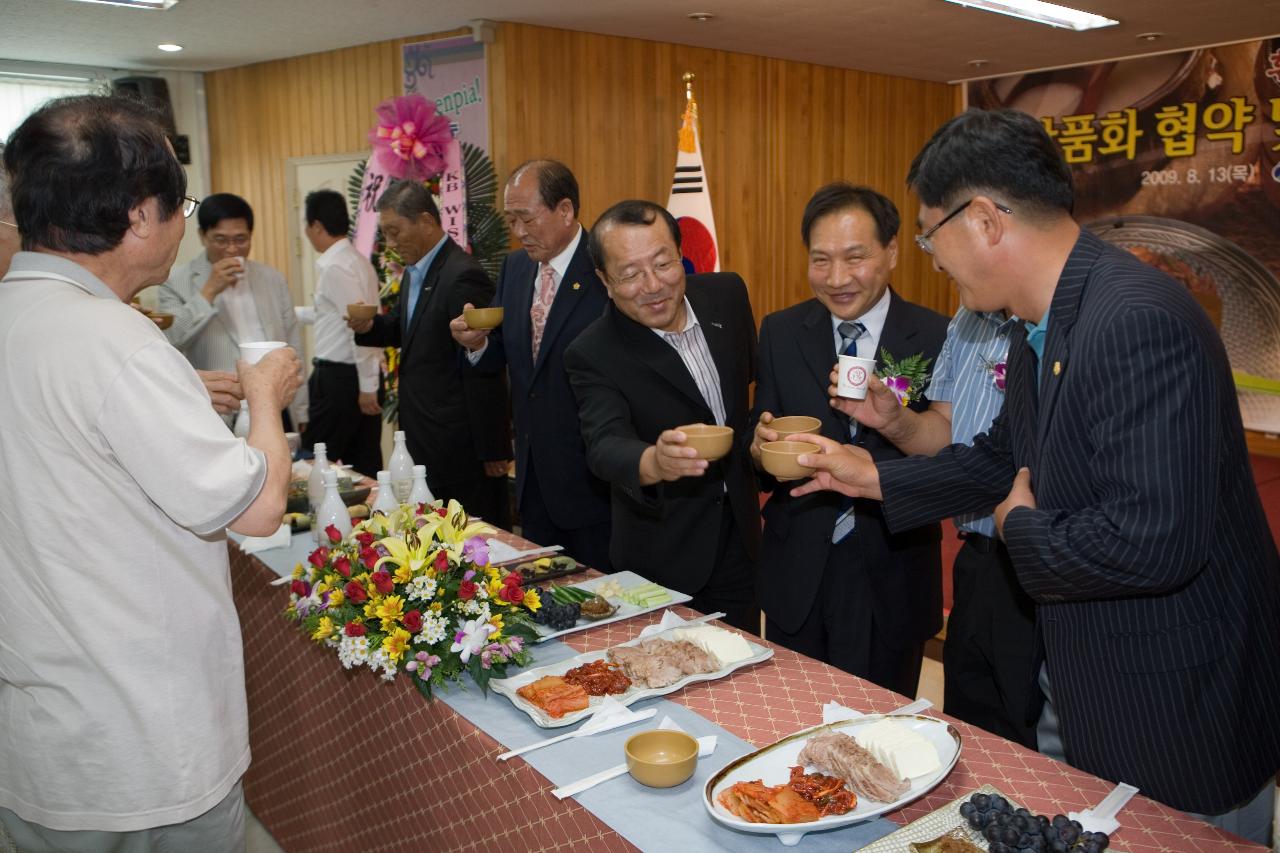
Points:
[(700, 17), (137, 4), (1149, 36), (978, 63), (1041, 13), (170, 48)]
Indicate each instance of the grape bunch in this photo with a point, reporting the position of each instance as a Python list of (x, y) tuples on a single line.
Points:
[(1010, 830), (557, 616)]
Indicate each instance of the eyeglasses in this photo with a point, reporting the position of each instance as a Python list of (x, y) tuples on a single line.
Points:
[(662, 271), (189, 206), (222, 241), (925, 241)]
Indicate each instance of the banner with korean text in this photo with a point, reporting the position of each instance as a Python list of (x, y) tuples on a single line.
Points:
[(1176, 157)]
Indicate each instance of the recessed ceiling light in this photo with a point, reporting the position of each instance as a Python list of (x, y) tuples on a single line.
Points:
[(978, 63), (137, 4), (1041, 13), (1150, 36), (700, 17), (170, 48)]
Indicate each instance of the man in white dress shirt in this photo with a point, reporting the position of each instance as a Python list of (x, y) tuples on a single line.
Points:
[(221, 299), (344, 411)]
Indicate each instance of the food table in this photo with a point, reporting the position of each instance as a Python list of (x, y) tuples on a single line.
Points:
[(341, 758)]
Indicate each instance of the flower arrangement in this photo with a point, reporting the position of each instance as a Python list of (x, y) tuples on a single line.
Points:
[(907, 378), (414, 592), (996, 370), (410, 137)]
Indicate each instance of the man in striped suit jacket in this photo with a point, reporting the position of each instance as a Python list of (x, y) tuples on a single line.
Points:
[(1122, 481)]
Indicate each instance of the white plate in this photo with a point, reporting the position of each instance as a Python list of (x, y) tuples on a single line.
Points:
[(508, 686), (625, 610), (773, 763)]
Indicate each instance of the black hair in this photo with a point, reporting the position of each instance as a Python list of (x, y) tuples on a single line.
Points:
[(841, 195), (629, 212), (329, 209), (219, 206), (79, 164), (555, 182), (1006, 153), (409, 199)]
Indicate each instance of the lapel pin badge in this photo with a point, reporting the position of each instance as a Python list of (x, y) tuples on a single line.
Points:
[(1057, 368), (717, 325), (577, 286)]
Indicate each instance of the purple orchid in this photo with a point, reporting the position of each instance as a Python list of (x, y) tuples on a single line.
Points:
[(900, 386), (476, 550)]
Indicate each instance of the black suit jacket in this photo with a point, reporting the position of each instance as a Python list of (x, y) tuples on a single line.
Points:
[(547, 430), (453, 420), (1155, 576), (631, 385), (797, 351)]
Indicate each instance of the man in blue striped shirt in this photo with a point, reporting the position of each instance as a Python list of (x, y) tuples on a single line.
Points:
[(988, 656)]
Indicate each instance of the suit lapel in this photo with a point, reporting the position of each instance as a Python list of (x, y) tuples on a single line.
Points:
[(1062, 317), (898, 336), (657, 355), (569, 296), (518, 329), (428, 289)]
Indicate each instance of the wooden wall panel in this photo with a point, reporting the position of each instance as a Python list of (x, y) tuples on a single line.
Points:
[(773, 131)]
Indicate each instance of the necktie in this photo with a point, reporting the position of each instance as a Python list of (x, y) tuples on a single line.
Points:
[(849, 333), (542, 304), (412, 289)]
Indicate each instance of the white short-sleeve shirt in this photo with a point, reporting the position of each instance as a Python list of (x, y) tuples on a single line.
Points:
[(122, 700)]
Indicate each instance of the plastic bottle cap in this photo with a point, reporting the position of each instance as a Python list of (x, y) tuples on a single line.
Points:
[(419, 470), (398, 435), (320, 447)]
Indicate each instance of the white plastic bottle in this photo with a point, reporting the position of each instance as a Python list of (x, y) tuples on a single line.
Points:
[(420, 494), (241, 429), (315, 483), (386, 502), (401, 469), (332, 510)]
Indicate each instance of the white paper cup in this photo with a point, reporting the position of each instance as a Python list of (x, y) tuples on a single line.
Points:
[(854, 374), (253, 351)]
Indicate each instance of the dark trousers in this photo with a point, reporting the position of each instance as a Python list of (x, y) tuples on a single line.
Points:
[(479, 495), (732, 585), (988, 659), (335, 418), (588, 544), (842, 628)]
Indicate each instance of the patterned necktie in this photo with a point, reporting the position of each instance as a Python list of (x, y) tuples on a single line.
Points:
[(542, 304), (849, 334)]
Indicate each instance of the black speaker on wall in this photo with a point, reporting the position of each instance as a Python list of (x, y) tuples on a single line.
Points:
[(155, 92)]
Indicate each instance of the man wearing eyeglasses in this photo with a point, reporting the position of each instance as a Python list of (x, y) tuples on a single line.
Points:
[(670, 352), (1120, 479), (221, 299)]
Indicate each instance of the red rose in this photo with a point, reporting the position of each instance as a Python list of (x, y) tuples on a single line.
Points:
[(369, 557), (383, 582), (343, 565), (512, 577), (355, 629), (300, 588), (365, 538), (512, 593), (412, 621), (334, 534), (467, 590), (440, 511), (355, 593), (319, 557), (422, 509), (442, 561)]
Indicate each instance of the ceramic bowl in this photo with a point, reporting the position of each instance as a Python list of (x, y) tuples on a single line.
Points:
[(360, 311), (711, 441), (779, 458), (163, 319), (792, 424), (661, 758), (482, 318)]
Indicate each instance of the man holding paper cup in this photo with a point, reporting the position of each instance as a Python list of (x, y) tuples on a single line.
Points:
[(835, 583)]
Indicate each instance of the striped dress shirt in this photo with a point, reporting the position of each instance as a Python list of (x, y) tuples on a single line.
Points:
[(691, 344)]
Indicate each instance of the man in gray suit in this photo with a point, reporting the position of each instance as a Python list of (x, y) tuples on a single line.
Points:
[(221, 299)]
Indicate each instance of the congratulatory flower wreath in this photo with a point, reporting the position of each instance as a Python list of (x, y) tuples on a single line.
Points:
[(414, 591)]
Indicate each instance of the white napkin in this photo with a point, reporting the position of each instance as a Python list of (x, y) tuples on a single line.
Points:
[(706, 745), (1102, 817), (670, 619), (501, 552), (609, 714), (834, 712), (280, 539)]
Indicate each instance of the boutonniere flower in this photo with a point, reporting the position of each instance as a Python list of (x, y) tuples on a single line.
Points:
[(907, 378), (996, 370)]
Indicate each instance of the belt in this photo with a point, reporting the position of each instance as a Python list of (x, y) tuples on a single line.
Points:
[(320, 362), (981, 544)]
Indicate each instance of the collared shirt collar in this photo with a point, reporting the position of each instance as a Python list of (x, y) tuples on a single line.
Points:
[(36, 263), (560, 263), (690, 320), (1036, 333), (424, 263), (997, 318), (329, 255), (873, 318)]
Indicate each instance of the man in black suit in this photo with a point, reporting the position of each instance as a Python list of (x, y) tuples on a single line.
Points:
[(549, 293), (835, 584), (455, 424), (670, 353), (1122, 481)]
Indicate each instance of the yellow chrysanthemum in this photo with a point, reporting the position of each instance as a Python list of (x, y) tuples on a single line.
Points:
[(495, 587), (437, 606), (298, 571), (496, 621), (396, 643), (362, 578), (332, 580), (321, 588), (403, 574), (324, 630), (371, 610), (390, 611), (337, 597), (532, 601)]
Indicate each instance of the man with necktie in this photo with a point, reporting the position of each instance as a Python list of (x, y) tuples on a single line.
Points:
[(455, 421), (549, 292), (835, 584)]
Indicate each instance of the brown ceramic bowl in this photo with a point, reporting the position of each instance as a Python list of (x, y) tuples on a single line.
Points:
[(661, 758), (359, 311), (792, 424), (163, 319), (482, 318), (779, 458), (711, 441)]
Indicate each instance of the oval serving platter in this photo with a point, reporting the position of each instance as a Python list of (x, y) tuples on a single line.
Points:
[(772, 764)]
